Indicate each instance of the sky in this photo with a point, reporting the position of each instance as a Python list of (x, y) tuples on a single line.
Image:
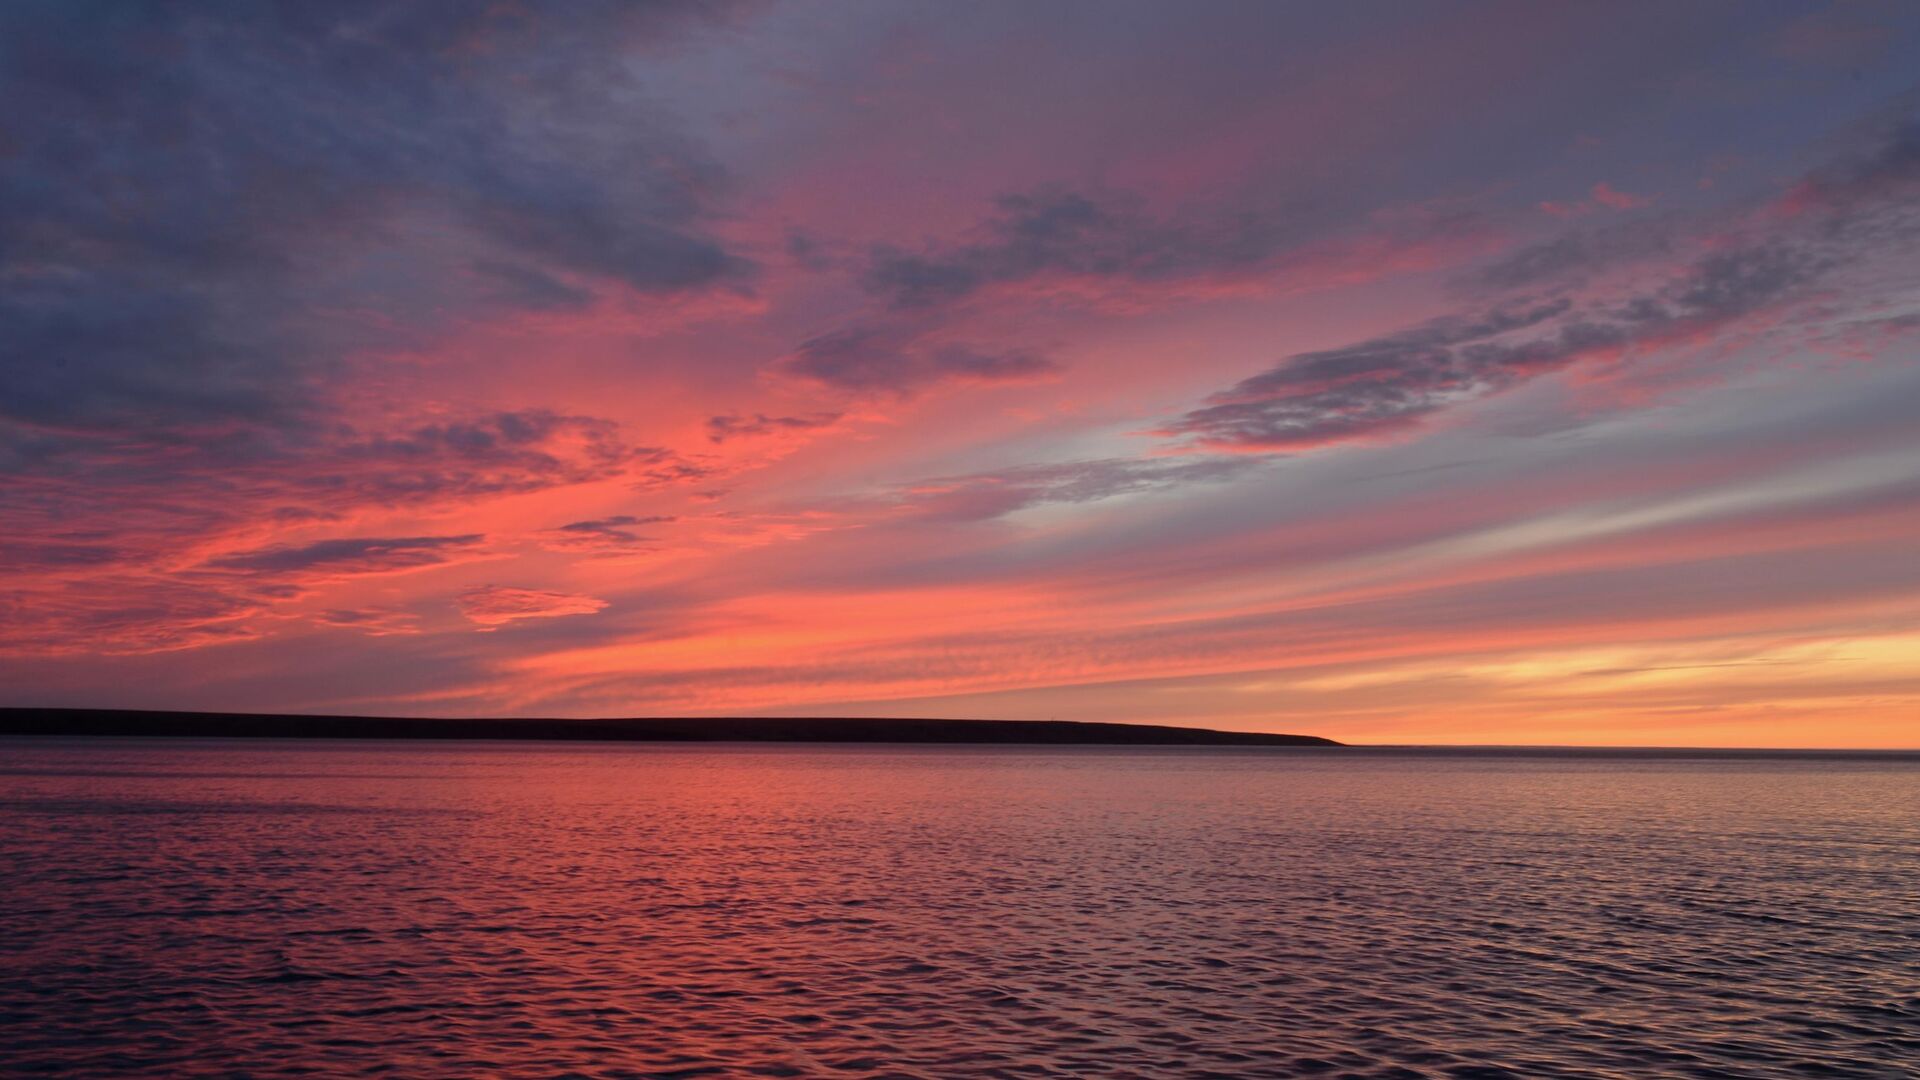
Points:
[(1396, 372)]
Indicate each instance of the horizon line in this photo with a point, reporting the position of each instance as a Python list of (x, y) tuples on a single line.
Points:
[(1322, 742)]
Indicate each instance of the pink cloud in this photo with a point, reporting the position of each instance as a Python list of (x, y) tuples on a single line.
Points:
[(493, 606), (1602, 196), (1607, 195)]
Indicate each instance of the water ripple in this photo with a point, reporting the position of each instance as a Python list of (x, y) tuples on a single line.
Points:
[(601, 912)]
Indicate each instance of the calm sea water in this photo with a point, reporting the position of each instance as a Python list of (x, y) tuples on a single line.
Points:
[(281, 909)]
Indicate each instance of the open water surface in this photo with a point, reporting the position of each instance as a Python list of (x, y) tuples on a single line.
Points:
[(177, 908)]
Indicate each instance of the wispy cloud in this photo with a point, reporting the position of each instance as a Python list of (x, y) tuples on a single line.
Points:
[(1839, 217), (900, 360), (731, 426), (1363, 367), (493, 606)]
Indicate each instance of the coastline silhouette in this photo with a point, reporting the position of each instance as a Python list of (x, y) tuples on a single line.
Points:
[(782, 729)]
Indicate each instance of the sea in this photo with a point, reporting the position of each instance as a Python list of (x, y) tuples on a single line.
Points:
[(268, 908)]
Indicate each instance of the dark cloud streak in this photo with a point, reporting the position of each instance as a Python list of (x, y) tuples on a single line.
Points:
[(611, 536), (1069, 233), (1840, 216), (355, 555), (1380, 386), (890, 360), (735, 426)]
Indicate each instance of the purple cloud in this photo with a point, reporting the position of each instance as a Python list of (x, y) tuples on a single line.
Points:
[(351, 555), (871, 359), (735, 426)]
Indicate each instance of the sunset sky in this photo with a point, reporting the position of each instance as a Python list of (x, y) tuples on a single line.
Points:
[(1396, 372)]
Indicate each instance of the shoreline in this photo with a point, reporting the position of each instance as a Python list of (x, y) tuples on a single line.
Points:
[(795, 730)]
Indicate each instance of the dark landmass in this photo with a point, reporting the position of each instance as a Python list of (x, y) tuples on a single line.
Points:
[(797, 729), (1645, 753)]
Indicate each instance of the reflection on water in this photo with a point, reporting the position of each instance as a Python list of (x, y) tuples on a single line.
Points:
[(449, 910)]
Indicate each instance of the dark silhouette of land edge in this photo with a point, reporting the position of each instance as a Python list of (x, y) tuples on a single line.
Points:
[(780, 729)]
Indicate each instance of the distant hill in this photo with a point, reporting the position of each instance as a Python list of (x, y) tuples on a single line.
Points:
[(794, 729)]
